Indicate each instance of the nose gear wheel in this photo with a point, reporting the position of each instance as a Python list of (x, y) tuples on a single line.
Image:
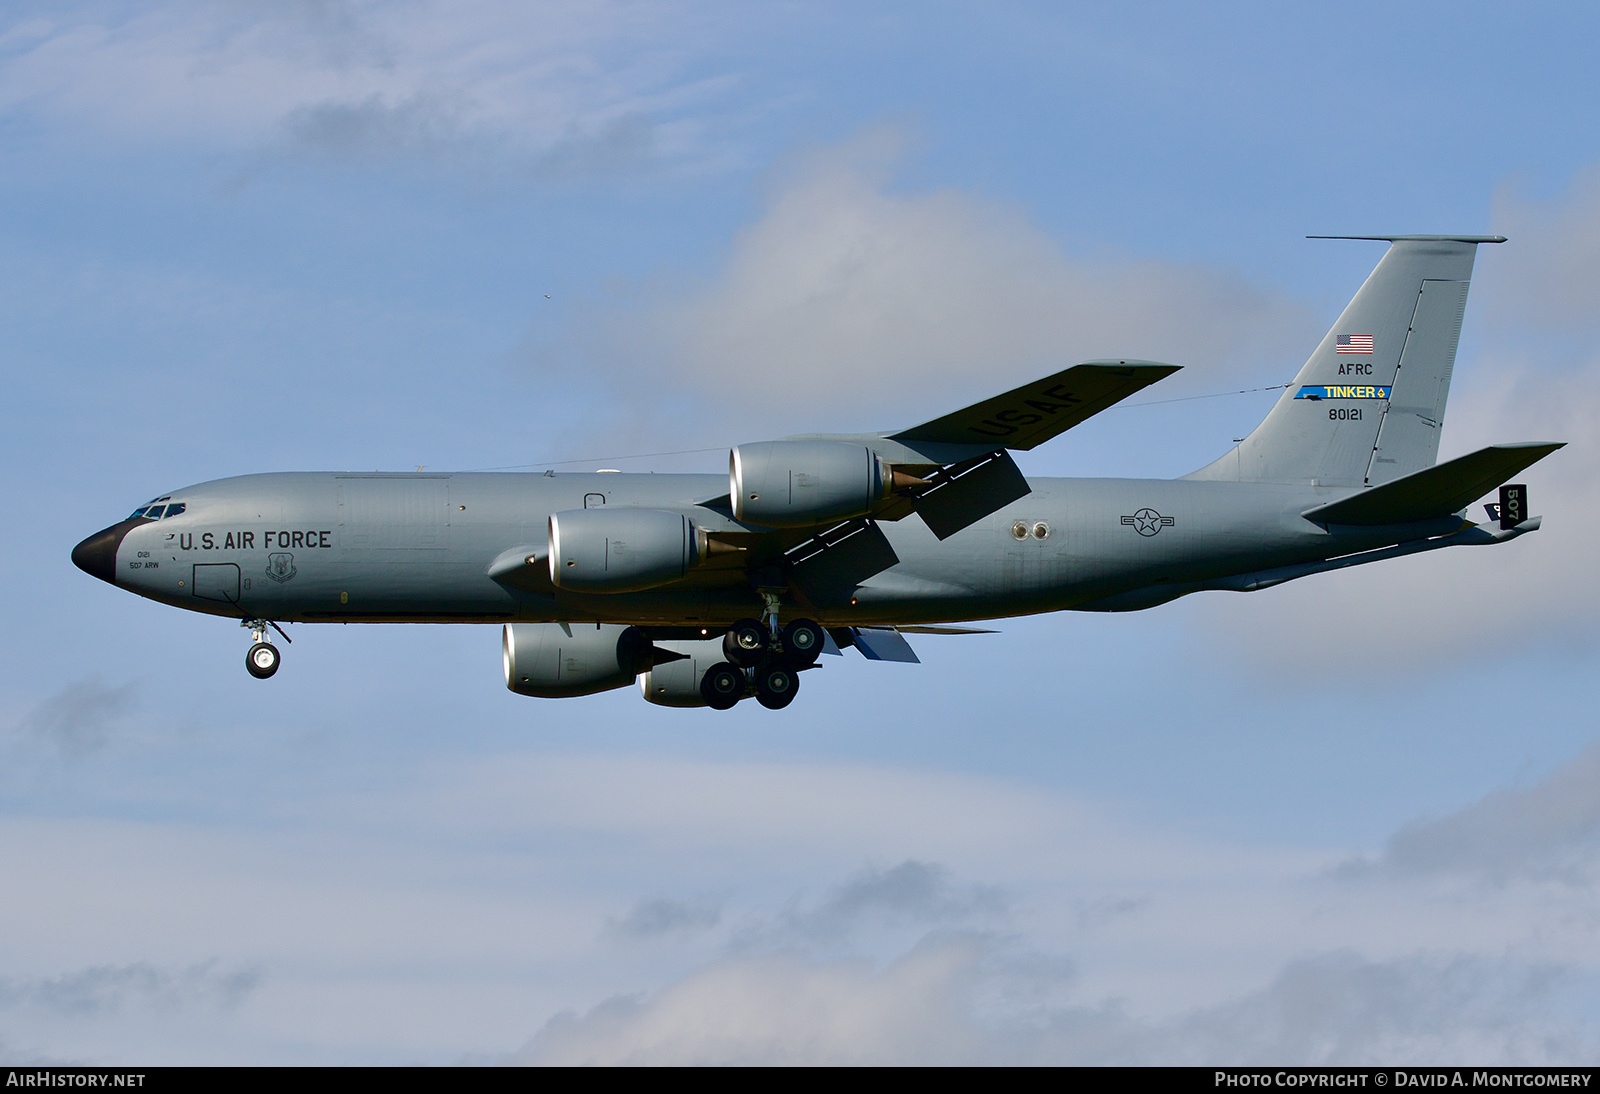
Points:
[(262, 660)]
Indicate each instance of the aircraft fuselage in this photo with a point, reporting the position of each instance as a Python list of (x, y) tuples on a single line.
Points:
[(354, 548)]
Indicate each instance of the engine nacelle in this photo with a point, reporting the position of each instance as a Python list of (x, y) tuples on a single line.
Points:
[(620, 550), (543, 660), (677, 683), (789, 484)]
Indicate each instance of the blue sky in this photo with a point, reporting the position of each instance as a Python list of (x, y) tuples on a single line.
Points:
[(1348, 820)]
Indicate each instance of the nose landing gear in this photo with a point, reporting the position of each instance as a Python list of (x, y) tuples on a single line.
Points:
[(263, 658)]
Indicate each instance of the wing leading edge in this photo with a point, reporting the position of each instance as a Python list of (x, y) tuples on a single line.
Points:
[(1026, 417)]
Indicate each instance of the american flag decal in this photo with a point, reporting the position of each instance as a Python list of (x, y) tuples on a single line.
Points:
[(1353, 343)]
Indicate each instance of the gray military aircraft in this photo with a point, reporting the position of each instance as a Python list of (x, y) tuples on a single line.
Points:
[(707, 590)]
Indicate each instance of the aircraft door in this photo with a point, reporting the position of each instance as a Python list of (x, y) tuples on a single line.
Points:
[(217, 581), (593, 501)]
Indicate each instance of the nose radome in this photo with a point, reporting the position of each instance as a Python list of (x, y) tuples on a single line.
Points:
[(97, 555)]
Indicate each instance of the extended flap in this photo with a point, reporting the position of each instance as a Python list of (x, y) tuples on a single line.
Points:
[(972, 493), (884, 644)]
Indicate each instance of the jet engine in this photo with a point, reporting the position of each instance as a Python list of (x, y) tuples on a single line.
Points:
[(677, 683), (543, 660), (620, 550), (790, 484)]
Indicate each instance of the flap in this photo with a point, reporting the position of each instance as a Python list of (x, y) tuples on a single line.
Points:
[(1435, 491), (1033, 413), (883, 644)]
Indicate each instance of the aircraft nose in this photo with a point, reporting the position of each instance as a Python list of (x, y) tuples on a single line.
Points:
[(97, 555)]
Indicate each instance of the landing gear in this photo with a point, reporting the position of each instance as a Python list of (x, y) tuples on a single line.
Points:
[(776, 685), (262, 660), (802, 641), (772, 655), (745, 643), (723, 686)]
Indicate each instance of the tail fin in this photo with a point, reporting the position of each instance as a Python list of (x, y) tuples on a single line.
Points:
[(1368, 406)]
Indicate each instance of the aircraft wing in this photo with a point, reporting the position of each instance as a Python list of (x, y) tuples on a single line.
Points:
[(1027, 416)]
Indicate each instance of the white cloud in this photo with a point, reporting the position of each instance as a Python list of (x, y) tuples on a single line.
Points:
[(111, 987), (937, 1004), (1450, 944), (850, 292), (573, 86), (464, 905), (1550, 830)]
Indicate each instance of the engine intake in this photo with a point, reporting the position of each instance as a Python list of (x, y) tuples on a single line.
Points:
[(620, 550), (792, 484), (542, 660)]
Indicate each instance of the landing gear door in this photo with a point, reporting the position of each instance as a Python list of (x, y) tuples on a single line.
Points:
[(217, 581)]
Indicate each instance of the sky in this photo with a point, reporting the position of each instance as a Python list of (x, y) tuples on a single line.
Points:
[(1353, 819)]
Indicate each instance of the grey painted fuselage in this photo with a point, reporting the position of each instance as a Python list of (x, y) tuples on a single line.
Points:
[(328, 547)]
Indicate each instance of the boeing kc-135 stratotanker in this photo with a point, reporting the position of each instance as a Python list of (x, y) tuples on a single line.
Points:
[(707, 589)]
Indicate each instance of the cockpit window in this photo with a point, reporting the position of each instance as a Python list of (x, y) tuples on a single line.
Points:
[(156, 512)]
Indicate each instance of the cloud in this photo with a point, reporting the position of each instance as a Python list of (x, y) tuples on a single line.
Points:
[(997, 921), (946, 1001), (1550, 830), (111, 987), (912, 893), (1342, 1009), (79, 718), (1200, 958), (850, 291), (1547, 276), (565, 88), (661, 917), (782, 1010)]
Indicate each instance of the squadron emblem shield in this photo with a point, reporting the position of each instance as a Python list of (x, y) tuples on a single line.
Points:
[(280, 566)]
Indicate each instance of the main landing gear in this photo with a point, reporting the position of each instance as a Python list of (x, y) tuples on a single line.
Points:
[(263, 658), (765, 660)]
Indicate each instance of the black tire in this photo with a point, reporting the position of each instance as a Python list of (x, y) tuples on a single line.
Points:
[(745, 643), (262, 660), (722, 686), (802, 641), (776, 686)]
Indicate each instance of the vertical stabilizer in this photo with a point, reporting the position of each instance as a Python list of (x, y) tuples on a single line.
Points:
[(1368, 406)]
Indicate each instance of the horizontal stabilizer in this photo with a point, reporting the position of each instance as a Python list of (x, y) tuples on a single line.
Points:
[(1435, 491), (1033, 413)]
